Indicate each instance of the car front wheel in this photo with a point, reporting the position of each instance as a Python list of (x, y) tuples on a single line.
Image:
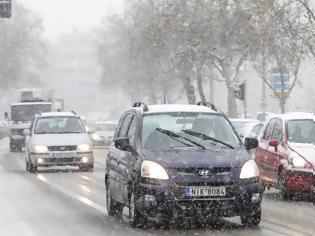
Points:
[(251, 219), (32, 167), (285, 194), (136, 219), (114, 208)]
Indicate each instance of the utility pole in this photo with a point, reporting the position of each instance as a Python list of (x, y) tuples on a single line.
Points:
[(263, 104), (245, 99)]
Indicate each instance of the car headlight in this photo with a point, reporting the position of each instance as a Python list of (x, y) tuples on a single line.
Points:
[(40, 148), (298, 162), (84, 147), (249, 170), (95, 136), (153, 170)]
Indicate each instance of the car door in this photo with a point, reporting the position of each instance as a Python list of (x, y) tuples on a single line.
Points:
[(261, 151), (129, 159), (113, 162), (275, 154)]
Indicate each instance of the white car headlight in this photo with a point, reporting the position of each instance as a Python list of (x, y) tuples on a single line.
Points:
[(298, 161), (153, 170), (249, 170), (40, 148), (96, 137), (84, 148)]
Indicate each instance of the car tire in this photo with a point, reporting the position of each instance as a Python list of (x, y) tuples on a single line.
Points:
[(251, 219), (284, 193), (33, 168), (114, 208), (12, 148), (136, 218)]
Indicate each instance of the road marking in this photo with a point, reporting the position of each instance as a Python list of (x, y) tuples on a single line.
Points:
[(74, 195)]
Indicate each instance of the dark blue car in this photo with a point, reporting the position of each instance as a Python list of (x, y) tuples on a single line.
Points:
[(172, 162)]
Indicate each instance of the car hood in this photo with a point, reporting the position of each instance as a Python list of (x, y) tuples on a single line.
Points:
[(306, 150), (105, 134), (60, 139), (234, 158)]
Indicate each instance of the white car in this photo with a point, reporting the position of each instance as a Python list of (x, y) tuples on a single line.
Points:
[(103, 133), (247, 127), (58, 139)]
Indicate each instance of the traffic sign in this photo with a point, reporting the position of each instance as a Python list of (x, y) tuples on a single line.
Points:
[(5, 8), (279, 78)]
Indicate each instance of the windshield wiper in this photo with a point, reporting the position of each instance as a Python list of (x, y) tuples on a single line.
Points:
[(174, 135), (206, 137)]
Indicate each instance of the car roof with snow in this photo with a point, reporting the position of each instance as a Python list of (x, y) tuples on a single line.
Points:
[(54, 114), (164, 108), (244, 120), (295, 116), (31, 103)]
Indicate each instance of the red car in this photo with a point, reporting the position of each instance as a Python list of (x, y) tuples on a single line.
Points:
[(286, 154)]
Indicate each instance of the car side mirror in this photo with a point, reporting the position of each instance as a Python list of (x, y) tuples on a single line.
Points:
[(250, 143), (123, 144), (273, 143), (26, 132)]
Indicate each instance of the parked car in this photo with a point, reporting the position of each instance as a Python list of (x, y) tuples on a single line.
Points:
[(264, 116), (286, 154), (247, 127), (175, 161), (103, 133), (58, 139)]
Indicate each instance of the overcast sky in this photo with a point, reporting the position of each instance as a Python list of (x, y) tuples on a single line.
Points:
[(61, 16)]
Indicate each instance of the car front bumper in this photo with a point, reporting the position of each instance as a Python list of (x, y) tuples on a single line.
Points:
[(240, 199), (64, 158), (301, 180)]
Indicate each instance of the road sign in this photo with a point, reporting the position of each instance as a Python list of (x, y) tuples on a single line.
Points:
[(279, 78), (5, 8)]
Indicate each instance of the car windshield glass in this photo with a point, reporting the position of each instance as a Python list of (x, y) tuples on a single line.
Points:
[(58, 125), (301, 131), (26, 112), (105, 127), (211, 125)]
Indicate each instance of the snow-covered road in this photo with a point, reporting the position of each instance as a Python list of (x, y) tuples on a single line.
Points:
[(73, 203)]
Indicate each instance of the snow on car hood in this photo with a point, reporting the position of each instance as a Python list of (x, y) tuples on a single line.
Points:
[(60, 139), (306, 150)]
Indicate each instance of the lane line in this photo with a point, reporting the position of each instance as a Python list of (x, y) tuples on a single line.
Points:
[(74, 195)]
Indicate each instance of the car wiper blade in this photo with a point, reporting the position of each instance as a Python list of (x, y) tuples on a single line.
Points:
[(206, 137), (174, 135)]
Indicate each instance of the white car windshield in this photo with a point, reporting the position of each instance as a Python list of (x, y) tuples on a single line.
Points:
[(182, 129), (301, 131), (58, 125)]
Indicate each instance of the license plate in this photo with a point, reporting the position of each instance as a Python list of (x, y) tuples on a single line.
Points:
[(59, 155), (205, 191)]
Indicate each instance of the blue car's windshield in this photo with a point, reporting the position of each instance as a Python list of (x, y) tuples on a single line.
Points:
[(207, 129)]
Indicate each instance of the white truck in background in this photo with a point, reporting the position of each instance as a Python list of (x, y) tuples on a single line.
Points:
[(32, 101)]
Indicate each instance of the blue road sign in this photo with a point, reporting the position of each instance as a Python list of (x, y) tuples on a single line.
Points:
[(280, 79)]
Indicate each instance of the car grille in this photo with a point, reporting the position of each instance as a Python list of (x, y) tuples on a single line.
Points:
[(62, 160), (195, 171), (17, 131), (62, 148)]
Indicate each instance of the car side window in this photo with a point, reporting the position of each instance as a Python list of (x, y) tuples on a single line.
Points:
[(268, 130), (277, 130), (131, 131), (32, 125), (119, 126), (125, 126)]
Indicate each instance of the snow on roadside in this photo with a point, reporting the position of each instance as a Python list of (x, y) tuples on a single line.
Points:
[(4, 145)]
